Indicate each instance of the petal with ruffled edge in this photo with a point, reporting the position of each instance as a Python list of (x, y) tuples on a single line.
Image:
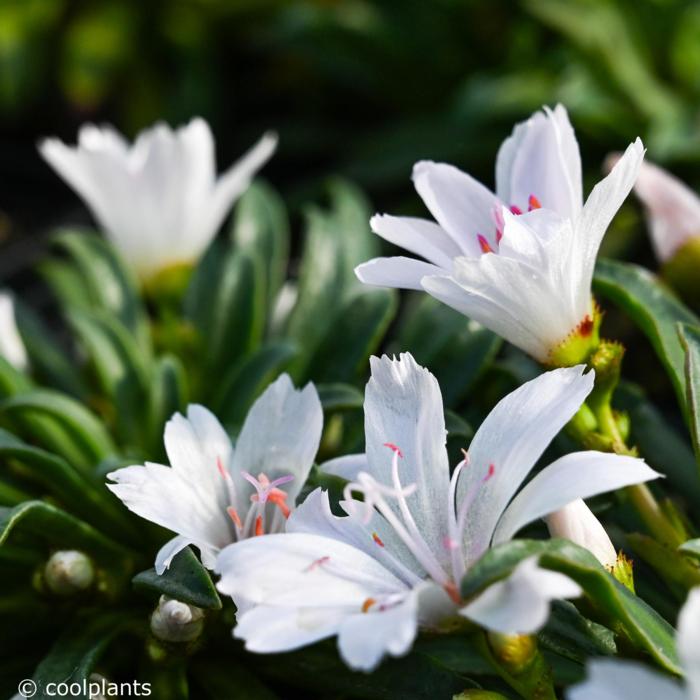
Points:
[(541, 158), (403, 407), (609, 679), (688, 641), (577, 475), (520, 604), (280, 436), (509, 442)]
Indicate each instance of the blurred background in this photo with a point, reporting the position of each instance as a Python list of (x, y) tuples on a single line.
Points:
[(361, 88)]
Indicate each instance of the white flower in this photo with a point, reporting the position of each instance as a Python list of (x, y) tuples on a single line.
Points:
[(213, 494), (673, 209), (610, 679), (519, 262), (11, 345), (577, 523), (396, 561), (158, 200)]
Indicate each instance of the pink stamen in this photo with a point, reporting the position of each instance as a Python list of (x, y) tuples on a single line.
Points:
[(499, 235), (259, 526), (533, 203), (394, 448), (220, 467), (316, 563), (233, 514), (515, 210), (368, 604), (490, 473), (449, 544), (483, 244), (278, 498)]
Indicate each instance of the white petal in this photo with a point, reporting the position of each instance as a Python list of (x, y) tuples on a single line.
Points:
[(376, 537), (520, 604), (398, 272), (304, 571), (462, 206), (347, 467), (576, 522), (403, 407), (610, 679), (688, 641), (673, 209), (512, 438), (280, 435), (577, 475), (161, 495), (542, 158), (236, 180), (11, 344), (168, 551), (364, 639), (419, 236), (602, 205), (274, 629)]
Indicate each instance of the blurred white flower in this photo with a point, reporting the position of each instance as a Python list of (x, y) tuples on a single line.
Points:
[(159, 200), (577, 523), (398, 558), (610, 679), (213, 494), (672, 208), (520, 261), (11, 345)]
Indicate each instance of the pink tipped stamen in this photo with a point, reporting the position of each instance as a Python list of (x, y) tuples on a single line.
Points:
[(259, 528), (483, 244), (449, 544), (491, 471), (394, 448), (222, 471), (377, 539), (515, 210), (533, 203)]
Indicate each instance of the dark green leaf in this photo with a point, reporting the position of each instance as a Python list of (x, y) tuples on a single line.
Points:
[(169, 393), (653, 308), (644, 627), (337, 397), (690, 339), (246, 381), (62, 424), (12, 381), (186, 580)]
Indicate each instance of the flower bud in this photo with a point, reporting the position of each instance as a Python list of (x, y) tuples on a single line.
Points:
[(174, 621), (577, 523), (514, 651), (68, 572)]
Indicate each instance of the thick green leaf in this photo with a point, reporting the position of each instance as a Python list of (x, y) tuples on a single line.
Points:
[(690, 339), (111, 285), (47, 360), (226, 302), (246, 381), (91, 501), (122, 370), (644, 626), (73, 656), (653, 308), (691, 547), (62, 424), (339, 397), (169, 394), (12, 381), (355, 333), (454, 348), (261, 228), (60, 529), (186, 580)]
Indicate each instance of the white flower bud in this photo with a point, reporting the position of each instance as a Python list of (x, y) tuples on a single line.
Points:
[(68, 572), (174, 621), (577, 523)]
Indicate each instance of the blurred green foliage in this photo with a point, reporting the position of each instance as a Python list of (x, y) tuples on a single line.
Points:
[(363, 87)]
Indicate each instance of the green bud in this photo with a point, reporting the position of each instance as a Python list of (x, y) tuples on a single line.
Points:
[(515, 652), (174, 621), (681, 271), (68, 572), (623, 571)]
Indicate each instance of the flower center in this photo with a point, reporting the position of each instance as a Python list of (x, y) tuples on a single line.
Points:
[(532, 203)]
